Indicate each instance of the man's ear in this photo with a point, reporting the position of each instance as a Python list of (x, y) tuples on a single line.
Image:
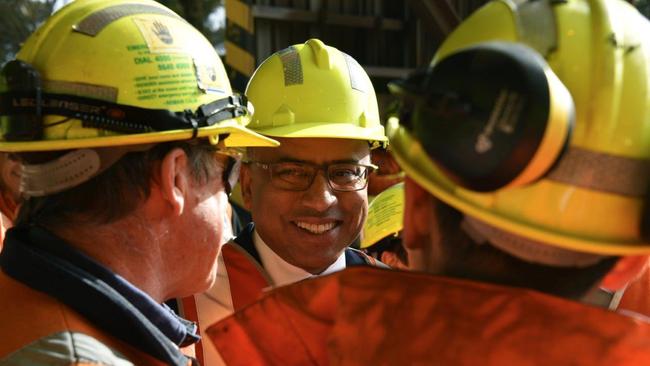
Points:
[(8, 205), (245, 184), (9, 186), (418, 215), (174, 180), (393, 261), (625, 271)]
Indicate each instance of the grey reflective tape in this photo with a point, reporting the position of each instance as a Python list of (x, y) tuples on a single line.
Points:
[(105, 93), (536, 24), (291, 66), (66, 348), (95, 22), (357, 73), (602, 172), (524, 248)]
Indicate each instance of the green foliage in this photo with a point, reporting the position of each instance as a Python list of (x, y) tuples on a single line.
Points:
[(18, 19)]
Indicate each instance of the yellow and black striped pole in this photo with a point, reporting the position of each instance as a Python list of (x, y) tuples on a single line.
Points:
[(240, 42)]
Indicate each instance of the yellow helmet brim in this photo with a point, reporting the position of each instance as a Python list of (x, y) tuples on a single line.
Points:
[(238, 136)]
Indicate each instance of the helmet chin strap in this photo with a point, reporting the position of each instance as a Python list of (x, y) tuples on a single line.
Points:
[(527, 249), (71, 169)]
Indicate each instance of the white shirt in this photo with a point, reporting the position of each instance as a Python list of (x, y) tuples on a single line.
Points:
[(284, 273), (216, 303)]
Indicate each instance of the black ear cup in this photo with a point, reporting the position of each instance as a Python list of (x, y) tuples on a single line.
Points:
[(491, 116)]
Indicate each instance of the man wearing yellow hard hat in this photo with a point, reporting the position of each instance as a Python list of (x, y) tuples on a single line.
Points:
[(526, 150), (308, 197), (121, 116)]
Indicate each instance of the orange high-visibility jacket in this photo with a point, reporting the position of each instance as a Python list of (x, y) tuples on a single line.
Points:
[(58, 307), (367, 316), (241, 280), (32, 322), (637, 295)]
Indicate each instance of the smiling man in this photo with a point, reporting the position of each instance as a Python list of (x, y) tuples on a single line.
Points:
[(309, 202), (308, 198), (525, 188)]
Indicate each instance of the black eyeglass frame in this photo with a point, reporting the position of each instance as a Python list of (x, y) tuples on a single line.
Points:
[(231, 166), (231, 169), (268, 166)]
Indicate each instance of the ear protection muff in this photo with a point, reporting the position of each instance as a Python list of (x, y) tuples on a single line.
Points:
[(491, 116)]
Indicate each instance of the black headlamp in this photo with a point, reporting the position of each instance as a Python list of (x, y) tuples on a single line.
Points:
[(25, 103)]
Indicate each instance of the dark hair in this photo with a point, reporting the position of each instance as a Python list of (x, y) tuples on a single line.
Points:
[(486, 263), (117, 191)]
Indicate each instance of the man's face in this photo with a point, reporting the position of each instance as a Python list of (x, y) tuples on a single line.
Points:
[(201, 230), (308, 228)]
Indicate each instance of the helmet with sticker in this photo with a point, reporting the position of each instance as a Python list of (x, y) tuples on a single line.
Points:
[(118, 72)]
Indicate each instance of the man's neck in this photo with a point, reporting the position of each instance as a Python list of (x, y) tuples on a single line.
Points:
[(124, 248), (283, 272)]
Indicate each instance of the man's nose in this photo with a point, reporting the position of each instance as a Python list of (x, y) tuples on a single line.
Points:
[(319, 196)]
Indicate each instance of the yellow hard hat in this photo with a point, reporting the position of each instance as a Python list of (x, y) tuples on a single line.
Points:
[(534, 118), (385, 216), (313, 90), (104, 73)]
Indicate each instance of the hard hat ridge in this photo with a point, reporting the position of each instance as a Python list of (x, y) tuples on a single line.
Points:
[(319, 91)]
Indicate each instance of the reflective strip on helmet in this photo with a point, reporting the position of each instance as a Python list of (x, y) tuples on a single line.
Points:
[(291, 66), (95, 22), (536, 25), (526, 249), (357, 80), (105, 93), (602, 172)]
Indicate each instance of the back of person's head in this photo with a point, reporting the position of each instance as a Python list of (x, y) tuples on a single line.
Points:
[(99, 94), (532, 123)]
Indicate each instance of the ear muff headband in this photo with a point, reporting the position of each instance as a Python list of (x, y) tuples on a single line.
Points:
[(491, 116)]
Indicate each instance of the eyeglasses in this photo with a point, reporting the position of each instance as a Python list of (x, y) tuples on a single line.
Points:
[(230, 167), (299, 176), (228, 158)]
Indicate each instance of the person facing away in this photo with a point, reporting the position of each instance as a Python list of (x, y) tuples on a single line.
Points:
[(308, 198), (121, 117), (526, 156)]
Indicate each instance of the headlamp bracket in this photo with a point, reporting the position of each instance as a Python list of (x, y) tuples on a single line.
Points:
[(26, 104)]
